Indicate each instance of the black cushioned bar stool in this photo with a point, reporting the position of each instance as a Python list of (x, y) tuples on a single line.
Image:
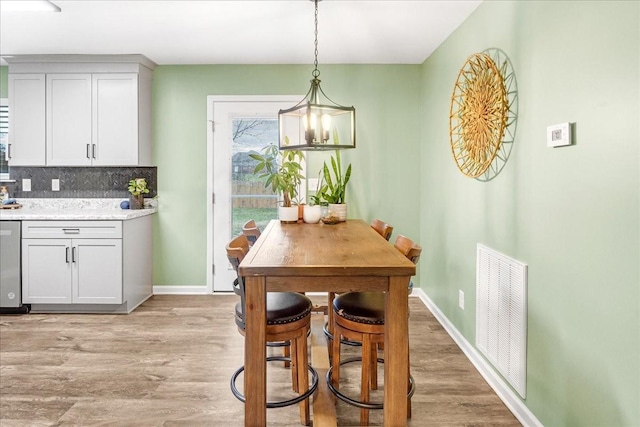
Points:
[(252, 231), (359, 316), (288, 320), (384, 230)]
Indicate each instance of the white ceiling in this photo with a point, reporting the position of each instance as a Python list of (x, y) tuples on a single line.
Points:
[(238, 32)]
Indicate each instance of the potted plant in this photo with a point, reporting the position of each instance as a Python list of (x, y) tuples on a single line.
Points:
[(283, 172), (137, 188), (313, 211), (334, 187)]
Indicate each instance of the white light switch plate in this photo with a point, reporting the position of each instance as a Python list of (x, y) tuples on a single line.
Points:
[(312, 184), (26, 184), (55, 185), (559, 135)]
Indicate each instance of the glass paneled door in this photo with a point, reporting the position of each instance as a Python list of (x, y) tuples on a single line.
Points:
[(250, 199), (239, 129)]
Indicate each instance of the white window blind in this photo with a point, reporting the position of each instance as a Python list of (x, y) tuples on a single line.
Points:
[(4, 138), (4, 117)]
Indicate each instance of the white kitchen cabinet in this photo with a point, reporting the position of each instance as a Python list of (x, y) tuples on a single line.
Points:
[(46, 272), (72, 271), (27, 123), (87, 266), (81, 269), (97, 272), (115, 119), (69, 120), (92, 110), (92, 119)]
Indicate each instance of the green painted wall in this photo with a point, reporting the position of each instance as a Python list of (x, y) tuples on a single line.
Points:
[(4, 87), (385, 164), (572, 214)]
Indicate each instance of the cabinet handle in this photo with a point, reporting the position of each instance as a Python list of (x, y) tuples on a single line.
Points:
[(67, 255), (93, 151), (88, 156), (71, 230), (9, 152), (73, 254)]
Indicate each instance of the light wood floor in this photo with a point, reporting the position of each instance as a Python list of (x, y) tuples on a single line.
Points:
[(169, 363)]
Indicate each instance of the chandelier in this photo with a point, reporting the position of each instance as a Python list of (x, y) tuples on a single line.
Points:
[(317, 122)]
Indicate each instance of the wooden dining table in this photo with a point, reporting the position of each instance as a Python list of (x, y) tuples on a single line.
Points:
[(348, 256)]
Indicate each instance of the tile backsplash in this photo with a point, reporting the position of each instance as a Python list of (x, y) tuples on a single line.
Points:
[(79, 182)]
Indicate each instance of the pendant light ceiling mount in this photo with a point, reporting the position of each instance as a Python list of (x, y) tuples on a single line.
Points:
[(317, 122)]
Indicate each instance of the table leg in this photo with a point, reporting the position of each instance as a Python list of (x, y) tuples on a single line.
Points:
[(255, 352), (396, 352)]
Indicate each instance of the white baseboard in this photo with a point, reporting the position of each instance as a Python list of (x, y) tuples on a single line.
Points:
[(179, 290), (504, 392)]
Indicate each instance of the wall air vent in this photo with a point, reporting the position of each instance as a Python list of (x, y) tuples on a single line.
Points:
[(501, 314)]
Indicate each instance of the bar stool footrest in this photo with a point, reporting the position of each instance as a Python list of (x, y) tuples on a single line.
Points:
[(329, 336), (279, 404), (358, 403)]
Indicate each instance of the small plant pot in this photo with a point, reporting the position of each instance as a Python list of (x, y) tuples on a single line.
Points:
[(312, 214), (136, 202), (338, 211), (288, 214)]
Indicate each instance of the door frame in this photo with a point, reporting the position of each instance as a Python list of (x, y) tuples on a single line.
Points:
[(211, 100)]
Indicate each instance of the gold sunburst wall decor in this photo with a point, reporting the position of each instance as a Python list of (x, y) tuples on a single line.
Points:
[(483, 109)]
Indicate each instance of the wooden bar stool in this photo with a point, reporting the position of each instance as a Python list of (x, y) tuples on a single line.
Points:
[(360, 316), (251, 230), (383, 229), (288, 320)]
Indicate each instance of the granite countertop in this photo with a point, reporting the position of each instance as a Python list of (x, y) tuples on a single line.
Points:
[(75, 209)]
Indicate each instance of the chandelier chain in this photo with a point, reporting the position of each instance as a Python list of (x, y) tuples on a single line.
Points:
[(316, 72)]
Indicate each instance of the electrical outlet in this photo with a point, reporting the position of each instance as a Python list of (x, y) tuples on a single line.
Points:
[(461, 299), (26, 184), (55, 185)]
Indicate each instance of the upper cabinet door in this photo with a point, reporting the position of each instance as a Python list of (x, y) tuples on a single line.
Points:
[(69, 120), (115, 119), (27, 125)]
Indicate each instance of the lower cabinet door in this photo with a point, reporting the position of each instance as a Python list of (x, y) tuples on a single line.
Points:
[(97, 271), (46, 271)]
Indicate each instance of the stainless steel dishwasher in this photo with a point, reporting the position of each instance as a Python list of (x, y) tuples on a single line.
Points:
[(10, 269)]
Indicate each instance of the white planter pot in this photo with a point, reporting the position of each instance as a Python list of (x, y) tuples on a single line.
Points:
[(339, 211), (289, 214), (312, 214)]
